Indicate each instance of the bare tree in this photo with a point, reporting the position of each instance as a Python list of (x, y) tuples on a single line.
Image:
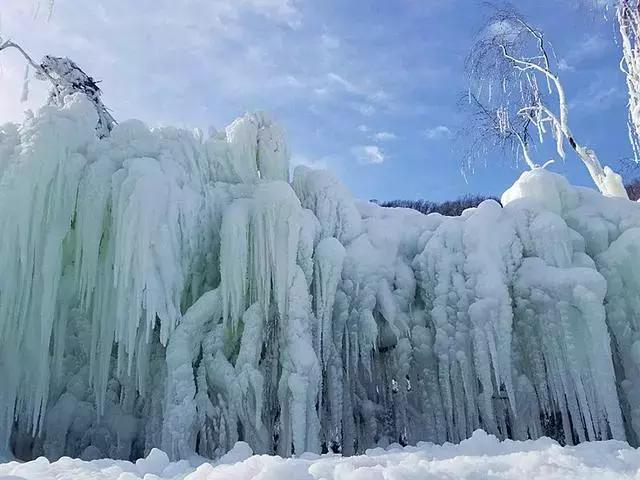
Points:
[(511, 66), (65, 78)]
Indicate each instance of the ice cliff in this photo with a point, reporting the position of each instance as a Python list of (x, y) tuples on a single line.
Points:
[(162, 288)]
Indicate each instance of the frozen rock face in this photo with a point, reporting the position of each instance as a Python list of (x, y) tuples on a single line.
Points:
[(163, 289)]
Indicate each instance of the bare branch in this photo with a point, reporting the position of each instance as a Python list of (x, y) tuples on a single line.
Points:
[(9, 44)]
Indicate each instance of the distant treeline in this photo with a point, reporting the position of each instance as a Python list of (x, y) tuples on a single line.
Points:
[(453, 208), (633, 189), (450, 208)]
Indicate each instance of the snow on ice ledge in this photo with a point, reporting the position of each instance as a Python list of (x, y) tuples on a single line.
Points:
[(481, 456), (163, 289)]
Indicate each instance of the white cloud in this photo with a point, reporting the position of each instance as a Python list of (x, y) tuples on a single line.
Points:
[(283, 11), (590, 47), (363, 128), (380, 96), (365, 109), (343, 83), (308, 162), (293, 81), (385, 136), (329, 41), (368, 154), (364, 95), (438, 133), (564, 66)]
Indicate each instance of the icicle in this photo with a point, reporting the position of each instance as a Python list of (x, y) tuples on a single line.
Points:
[(329, 258), (25, 85), (234, 252)]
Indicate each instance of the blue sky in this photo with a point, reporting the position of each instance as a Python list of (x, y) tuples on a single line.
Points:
[(368, 89)]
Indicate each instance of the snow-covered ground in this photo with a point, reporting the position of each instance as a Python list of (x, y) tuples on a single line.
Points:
[(480, 457)]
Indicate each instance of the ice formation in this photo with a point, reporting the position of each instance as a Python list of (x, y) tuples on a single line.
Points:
[(162, 288)]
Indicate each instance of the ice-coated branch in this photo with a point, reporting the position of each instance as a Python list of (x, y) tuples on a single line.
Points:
[(67, 78), (628, 14), (7, 44), (525, 149), (502, 128)]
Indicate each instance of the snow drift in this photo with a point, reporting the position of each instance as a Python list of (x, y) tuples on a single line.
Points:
[(480, 457), (165, 289)]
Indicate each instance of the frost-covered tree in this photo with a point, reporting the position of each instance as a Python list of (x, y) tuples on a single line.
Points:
[(628, 14), (66, 78), (496, 127), (514, 80)]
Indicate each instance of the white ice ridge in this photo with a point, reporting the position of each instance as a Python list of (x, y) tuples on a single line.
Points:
[(161, 288)]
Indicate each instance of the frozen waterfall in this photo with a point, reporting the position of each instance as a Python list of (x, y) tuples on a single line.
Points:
[(162, 288)]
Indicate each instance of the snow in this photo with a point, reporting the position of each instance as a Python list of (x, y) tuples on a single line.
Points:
[(166, 289), (481, 456)]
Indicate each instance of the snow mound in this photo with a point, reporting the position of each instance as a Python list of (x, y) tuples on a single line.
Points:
[(481, 456), (163, 289)]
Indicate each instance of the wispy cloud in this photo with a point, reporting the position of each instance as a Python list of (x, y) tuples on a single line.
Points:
[(379, 96), (329, 42), (588, 48), (365, 109), (438, 133), (342, 82), (280, 10), (597, 97), (320, 163), (365, 99), (606, 3), (385, 136), (368, 154), (564, 66)]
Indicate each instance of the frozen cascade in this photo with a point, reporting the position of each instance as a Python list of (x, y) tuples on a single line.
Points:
[(164, 288)]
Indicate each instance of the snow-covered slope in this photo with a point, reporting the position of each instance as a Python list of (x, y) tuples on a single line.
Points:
[(163, 289), (480, 457)]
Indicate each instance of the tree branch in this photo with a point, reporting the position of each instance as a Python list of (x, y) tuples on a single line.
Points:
[(9, 44)]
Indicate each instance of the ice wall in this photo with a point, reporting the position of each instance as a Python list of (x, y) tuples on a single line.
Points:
[(161, 288)]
